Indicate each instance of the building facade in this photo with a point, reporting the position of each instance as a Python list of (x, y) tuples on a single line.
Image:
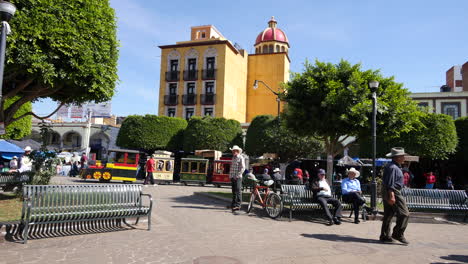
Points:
[(210, 76), (452, 99)]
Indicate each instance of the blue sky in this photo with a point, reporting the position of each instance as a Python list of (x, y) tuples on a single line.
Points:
[(415, 41)]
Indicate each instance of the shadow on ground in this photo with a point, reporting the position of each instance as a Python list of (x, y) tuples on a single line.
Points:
[(456, 258), (198, 202), (341, 238)]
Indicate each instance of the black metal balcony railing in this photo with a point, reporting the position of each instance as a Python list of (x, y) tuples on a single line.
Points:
[(171, 99), (172, 76), (209, 74), (189, 99), (208, 99), (191, 75)]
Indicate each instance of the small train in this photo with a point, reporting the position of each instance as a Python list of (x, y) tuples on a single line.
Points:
[(205, 167)]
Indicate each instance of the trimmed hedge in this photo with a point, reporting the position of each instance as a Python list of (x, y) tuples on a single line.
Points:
[(461, 125), (212, 133), (151, 132)]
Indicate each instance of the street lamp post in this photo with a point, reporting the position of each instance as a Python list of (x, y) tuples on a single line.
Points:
[(373, 85), (7, 10), (278, 100)]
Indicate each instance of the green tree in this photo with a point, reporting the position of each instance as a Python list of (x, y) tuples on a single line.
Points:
[(21, 127), (212, 133), (435, 137), (151, 132), (265, 136), (462, 132), (59, 49), (333, 102)]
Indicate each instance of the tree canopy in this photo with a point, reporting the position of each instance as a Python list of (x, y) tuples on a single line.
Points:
[(212, 133), (63, 50), (265, 136), (435, 137), (22, 127), (333, 102), (151, 132), (462, 132)]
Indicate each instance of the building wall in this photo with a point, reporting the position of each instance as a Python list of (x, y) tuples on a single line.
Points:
[(464, 73), (436, 100), (234, 79), (273, 69)]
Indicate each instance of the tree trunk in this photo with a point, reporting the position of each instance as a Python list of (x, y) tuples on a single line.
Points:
[(329, 168)]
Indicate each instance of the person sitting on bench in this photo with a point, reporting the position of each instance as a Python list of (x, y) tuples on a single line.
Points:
[(351, 191), (323, 195)]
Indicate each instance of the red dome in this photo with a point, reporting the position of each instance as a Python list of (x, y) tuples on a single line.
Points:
[(272, 33)]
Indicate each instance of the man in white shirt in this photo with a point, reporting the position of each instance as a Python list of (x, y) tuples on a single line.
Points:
[(323, 195)]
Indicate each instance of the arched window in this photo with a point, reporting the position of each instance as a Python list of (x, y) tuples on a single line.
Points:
[(265, 49), (277, 48), (271, 49), (256, 50), (283, 49)]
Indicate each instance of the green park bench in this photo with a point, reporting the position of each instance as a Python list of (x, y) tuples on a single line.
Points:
[(9, 180), (434, 200), (299, 198), (78, 204)]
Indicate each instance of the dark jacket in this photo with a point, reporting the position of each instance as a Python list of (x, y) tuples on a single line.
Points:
[(314, 186)]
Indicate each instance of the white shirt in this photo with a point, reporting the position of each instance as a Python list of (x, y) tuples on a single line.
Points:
[(326, 191)]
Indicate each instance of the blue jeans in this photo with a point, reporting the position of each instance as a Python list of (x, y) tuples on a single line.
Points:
[(236, 192), (429, 186)]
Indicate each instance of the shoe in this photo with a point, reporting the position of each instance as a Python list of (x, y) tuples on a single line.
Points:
[(330, 223), (235, 208), (402, 239), (356, 221), (155, 184), (386, 240), (336, 221)]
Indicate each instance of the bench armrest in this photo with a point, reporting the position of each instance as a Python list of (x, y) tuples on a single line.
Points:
[(150, 199)]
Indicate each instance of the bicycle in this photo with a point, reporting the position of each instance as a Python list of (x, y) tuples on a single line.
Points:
[(270, 201)]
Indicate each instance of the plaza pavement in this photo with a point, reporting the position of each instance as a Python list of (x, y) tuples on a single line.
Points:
[(190, 228)]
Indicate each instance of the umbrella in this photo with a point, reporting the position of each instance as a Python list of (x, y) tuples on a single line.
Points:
[(8, 150)]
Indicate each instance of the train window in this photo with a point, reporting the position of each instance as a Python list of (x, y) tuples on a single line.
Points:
[(227, 167), (219, 168), (131, 158), (194, 167), (202, 167), (169, 165), (111, 157), (185, 166), (160, 165), (119, 157)]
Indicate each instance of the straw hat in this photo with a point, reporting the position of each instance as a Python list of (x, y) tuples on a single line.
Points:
[(27, 148), (235, 147), (356, 172), (396, 152), (276, 170)]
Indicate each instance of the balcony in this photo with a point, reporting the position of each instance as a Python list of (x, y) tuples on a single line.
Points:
[(191, 75), (189, 99), (209, 74), (172, 99), (172, 76), (208, 99)]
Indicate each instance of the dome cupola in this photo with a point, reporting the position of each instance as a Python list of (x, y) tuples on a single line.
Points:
[(272, 39)]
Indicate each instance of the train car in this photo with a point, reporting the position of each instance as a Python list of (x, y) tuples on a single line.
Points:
[(120, 165), (221, 172), (193, 170), (164, 167)]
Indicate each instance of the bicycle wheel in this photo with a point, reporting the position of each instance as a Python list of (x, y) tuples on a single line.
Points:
[(274, 205), (251, 203)]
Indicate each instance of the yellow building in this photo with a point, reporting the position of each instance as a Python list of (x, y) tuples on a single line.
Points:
[(208, 75)]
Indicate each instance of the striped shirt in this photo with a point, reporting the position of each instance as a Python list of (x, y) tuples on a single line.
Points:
[(237, 167)]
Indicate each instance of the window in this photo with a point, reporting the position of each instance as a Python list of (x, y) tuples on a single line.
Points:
[(188, 113), (169, 165), (202, 168), (265, 49), (423, 104), (283, 49), (192, 64), (185, 166), (271, 49), (209, 87), (131, 158), (277, 48), (171, 112), (174, 65), (208, 111), (203, 35), (451, 109), (190, 88), (210, 63), (256, 50), (172, 88)]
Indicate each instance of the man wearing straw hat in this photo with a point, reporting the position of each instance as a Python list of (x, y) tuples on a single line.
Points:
[(351, 190), (235, 174), (394, 203)]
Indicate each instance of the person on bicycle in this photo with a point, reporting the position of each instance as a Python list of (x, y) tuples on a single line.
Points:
[(323, 195)]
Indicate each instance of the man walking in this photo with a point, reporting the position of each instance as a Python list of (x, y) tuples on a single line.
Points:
[(235, 174), (393, 201), (150, 164)]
